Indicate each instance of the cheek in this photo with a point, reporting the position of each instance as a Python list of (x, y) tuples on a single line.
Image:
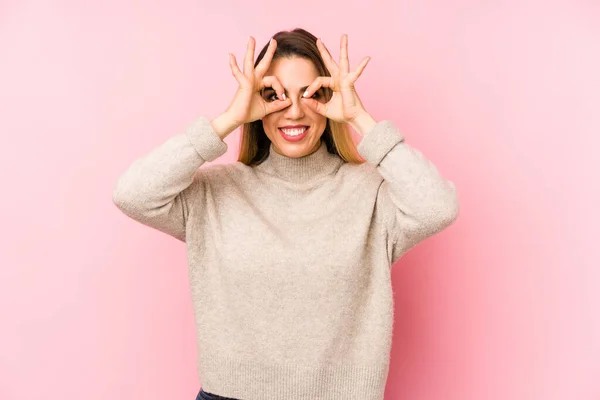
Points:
[(270, 128), (267, 123)]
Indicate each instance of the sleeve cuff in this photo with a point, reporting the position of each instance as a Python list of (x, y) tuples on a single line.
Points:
[(205, 140), (376, 143)]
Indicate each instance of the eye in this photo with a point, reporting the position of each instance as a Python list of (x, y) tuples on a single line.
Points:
[(315, 96)]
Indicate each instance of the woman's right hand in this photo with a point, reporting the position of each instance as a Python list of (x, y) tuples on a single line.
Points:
[(248, 105)]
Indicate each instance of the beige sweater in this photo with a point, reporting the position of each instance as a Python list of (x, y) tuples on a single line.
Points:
[(289, 261)]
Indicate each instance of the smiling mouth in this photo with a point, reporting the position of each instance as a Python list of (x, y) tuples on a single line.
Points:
[(294, 131), (293, 126), (293, 135)]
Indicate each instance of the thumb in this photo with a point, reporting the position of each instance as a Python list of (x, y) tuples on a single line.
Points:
[(316, 106), (274, 106)]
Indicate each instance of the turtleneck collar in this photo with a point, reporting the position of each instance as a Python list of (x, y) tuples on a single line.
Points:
[(301, 169)]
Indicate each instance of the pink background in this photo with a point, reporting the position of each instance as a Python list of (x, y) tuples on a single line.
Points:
[(503, 96)]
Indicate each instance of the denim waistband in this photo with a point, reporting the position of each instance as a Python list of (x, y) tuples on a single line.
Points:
[(202, 395)]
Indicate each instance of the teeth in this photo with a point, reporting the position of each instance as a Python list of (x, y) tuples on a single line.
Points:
[(294, 132)]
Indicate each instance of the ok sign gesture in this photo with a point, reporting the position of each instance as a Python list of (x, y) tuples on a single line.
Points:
[(344, 105)]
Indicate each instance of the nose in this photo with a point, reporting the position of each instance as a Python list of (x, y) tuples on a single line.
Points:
[(295, 110)]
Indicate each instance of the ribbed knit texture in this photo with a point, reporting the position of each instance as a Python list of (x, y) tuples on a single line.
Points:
[(289, 261)]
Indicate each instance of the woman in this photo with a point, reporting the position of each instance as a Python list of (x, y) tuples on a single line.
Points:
[(290, 247)]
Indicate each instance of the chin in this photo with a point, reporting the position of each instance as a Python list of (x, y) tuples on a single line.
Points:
[(294, 150)]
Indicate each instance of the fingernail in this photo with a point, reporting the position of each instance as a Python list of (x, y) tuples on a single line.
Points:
[(305, 93), (283, 96)]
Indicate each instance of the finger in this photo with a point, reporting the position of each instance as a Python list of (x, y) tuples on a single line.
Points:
[(249, 60), (274, 106), (356, 74), (316, 106), (263, 65), (319, 82), (327, 59), (234, 68), (344, 62), (273, 82), (312, 88)]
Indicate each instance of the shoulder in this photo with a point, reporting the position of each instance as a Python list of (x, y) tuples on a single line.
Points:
[(363, 173), (222, 173)]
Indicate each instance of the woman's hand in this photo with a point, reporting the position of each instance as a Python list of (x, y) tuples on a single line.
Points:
[(344, 105), (248, 105)]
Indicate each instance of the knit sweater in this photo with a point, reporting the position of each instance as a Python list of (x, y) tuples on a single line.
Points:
[(290, 260)]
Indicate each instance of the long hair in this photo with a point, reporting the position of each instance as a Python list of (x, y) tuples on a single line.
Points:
[(254, 143)]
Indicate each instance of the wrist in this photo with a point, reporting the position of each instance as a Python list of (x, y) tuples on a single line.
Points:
[(363, 123), (223, 125)]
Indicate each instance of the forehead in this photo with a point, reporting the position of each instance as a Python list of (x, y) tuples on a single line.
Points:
[(293, 73)]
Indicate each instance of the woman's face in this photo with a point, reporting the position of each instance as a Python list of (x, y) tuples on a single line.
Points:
[(295, 75)]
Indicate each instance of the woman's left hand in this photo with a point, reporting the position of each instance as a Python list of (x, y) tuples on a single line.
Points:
[(344, 105)]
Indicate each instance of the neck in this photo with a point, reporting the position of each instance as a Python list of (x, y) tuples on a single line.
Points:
[(302, 169)]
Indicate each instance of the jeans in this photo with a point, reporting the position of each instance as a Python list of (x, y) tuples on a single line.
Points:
[(202, 395)]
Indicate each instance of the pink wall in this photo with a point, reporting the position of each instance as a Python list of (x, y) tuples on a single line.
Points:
[(504, 98)]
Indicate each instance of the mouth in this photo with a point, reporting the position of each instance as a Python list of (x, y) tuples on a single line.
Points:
[(294, 134)]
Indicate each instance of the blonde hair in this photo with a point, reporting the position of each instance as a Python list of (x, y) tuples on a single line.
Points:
[(254, 143)]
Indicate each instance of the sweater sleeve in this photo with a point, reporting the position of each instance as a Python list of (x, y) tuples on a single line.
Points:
[(156, 188), (413, 200)]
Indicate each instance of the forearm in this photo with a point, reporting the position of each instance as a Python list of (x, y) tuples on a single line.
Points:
[(415, 200), (154, 188)]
